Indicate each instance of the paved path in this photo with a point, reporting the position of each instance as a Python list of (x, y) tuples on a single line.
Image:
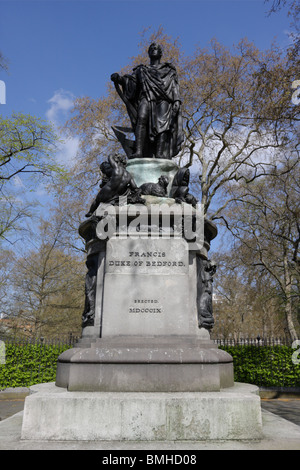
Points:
[(10, 407), (287, 408)]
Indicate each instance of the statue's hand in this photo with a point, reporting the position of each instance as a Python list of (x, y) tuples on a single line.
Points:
[(115, 77)]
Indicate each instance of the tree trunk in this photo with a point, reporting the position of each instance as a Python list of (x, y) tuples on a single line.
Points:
[(288, 302)]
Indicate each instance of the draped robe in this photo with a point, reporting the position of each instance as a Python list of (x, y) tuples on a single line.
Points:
[(158, 84)]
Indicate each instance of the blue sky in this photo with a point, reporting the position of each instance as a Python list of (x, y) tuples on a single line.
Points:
[(62, 49), (58, 50)]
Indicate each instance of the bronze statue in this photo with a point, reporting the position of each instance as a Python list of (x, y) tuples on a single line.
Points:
[(151, 96), (158, 189), (205, 272), (117, 182), (180, 188), (88, 315)]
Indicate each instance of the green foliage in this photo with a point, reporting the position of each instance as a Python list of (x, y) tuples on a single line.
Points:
[(27, 156), (27, 146), (265, 366), (29, 364)]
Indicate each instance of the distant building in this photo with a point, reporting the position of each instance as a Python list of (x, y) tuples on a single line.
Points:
[(9, 325)]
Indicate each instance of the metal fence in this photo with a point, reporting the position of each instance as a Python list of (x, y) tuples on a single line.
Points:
[(71, 340), (258, 341), (65, 340)]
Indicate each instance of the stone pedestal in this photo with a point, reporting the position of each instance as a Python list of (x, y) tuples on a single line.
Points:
[(150, 276), (148, 309), (146, 364), (145, 367), (53, 413), (140, 253)]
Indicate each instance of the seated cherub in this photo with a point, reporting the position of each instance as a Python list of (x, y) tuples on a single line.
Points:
[(117, 182)]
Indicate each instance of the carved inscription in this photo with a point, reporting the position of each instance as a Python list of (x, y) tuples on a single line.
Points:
[(145, 306), (144, 278), (147, 263), (146, 260)]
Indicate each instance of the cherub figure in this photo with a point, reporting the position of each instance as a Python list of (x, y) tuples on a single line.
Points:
[(117, 182)]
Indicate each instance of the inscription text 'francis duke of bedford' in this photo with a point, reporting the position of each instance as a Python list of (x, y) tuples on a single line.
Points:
[(123, 258)]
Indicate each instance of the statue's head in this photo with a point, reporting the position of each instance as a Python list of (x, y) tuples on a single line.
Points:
[(155, 50), (163, 181), (105, 168), (121, 159)]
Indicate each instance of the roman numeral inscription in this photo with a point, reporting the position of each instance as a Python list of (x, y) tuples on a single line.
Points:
[(144, 278)]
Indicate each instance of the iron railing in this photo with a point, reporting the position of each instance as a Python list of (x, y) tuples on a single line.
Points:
[(253, 341)]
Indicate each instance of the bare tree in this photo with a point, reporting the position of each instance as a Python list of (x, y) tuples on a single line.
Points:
[(230, 123), (48, 287), (265, 218)]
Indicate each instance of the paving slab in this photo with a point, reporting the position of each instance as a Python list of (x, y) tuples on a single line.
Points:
[(287, 408)]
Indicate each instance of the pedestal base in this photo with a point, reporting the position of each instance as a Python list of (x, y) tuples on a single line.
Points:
[(52, 413), (146, 364)]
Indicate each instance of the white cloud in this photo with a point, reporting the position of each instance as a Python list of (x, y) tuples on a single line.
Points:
[(60, 105), (68, 150)]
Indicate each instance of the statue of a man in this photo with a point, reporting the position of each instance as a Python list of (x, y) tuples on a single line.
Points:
[(151, 95)]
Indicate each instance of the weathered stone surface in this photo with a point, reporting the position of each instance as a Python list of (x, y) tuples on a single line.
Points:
[(141, 363), (146, 311), (53, 413), (146, 289)]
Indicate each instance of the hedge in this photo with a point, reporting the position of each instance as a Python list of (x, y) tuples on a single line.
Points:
[(29, 364), (265, 366)]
